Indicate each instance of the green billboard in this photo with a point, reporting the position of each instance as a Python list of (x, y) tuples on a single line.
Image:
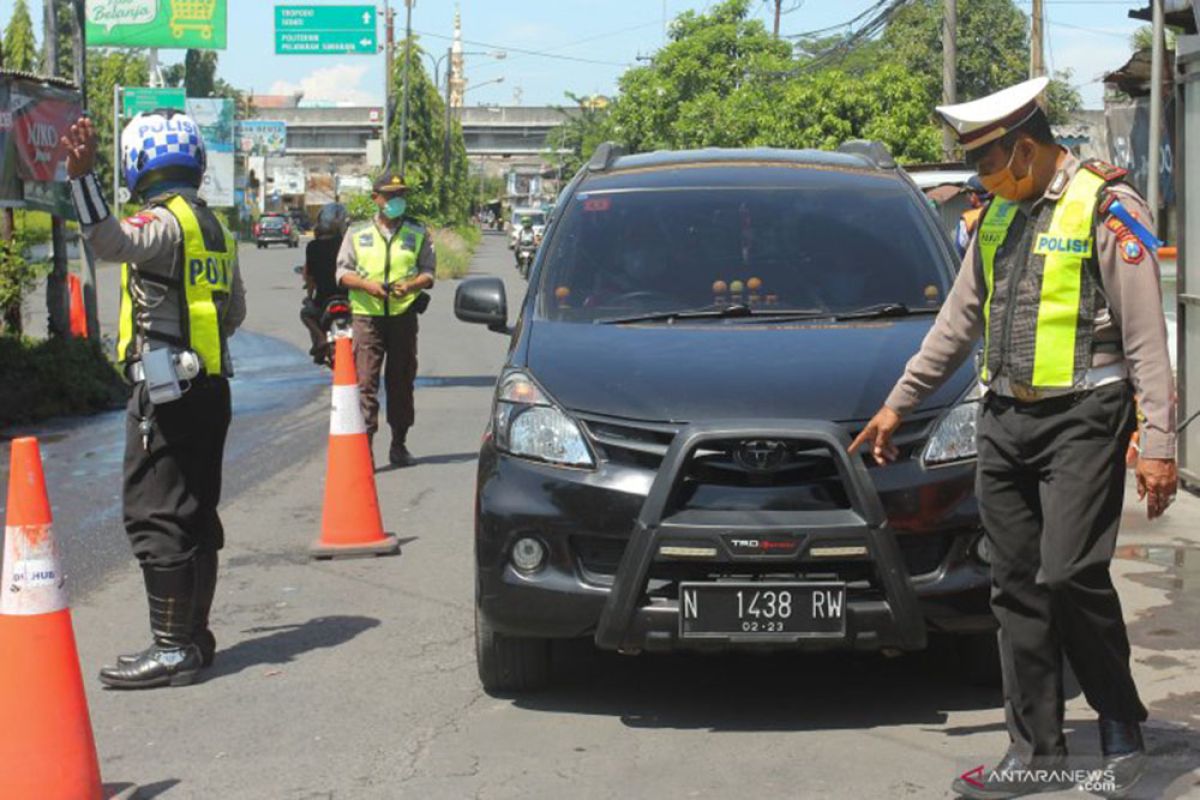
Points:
[(157, 23)]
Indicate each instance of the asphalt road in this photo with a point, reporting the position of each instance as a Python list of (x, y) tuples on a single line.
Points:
[(356, 679)]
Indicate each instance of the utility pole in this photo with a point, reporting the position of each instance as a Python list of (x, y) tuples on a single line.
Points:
[(57, 299), (389, 102), (446, 132), (949, 68), (408, 7), (1156, 93), (87, 261), (1037, 60), (778, 13)]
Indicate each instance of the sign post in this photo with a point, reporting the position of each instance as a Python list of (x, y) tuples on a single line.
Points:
[(325, 30)]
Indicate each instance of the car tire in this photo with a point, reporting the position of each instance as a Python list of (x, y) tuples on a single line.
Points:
[(979, 659), (510, 663)]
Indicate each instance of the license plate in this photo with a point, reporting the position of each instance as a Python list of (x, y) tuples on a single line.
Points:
[(762, 610)]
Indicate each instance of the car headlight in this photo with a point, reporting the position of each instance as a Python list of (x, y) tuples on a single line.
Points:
[(953, 437), (529, 424)]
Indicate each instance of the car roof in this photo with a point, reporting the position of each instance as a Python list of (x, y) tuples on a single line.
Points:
[(724, 155)]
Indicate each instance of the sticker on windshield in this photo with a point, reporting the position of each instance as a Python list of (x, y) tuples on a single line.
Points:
[(597, 204)]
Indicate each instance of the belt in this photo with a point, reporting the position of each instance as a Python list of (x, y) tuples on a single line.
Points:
[(1094, 378), (136, 373)]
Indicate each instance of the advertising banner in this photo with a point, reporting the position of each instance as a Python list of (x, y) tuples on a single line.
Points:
[(40, 115), (197, 24), (214, 115), (258, 137), (217, 189)]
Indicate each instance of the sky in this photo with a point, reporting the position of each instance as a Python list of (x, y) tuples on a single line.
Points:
[(583, 46)]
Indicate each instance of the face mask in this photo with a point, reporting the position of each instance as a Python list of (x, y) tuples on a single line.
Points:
[(395, 208), (1002, 183)]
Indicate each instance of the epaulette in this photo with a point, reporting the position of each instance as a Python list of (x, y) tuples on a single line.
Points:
[(1108, 172)]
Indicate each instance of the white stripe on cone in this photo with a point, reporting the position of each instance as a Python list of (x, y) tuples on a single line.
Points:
[(32, 581), (346, 418)]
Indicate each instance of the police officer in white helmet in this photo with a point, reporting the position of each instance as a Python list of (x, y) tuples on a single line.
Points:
[(181, 299)]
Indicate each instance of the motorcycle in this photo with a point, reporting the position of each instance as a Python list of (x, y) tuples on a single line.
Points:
[(330, 322), (525, 254)]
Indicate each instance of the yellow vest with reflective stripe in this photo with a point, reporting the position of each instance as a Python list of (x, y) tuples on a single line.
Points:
[(385, 262), (202, 282), (1054, 321)]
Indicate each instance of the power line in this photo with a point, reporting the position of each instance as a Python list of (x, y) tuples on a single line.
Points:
[(538, 53), (577, 42)]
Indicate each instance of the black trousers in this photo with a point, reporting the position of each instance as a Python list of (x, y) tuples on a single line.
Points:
[(172, 480), (1051, 484)]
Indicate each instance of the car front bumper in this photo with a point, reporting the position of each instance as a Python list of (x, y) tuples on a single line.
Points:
[(596, 583)]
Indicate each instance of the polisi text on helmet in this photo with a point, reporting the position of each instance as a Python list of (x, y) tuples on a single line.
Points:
[(159, 124)]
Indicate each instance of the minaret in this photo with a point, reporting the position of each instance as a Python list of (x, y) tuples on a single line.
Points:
[(458, 76)]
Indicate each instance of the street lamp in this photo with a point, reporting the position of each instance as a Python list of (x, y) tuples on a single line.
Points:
[(499, 55)]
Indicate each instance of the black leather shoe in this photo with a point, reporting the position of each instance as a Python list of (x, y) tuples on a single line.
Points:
[(174, 658), (398, 456), (1014, 777), (1124, 756)]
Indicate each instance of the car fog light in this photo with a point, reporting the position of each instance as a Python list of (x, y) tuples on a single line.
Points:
[(982, 551), (528, 555)]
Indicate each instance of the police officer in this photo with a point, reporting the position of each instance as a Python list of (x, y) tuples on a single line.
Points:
[(385, 264), (181, 298), (1061, 281)]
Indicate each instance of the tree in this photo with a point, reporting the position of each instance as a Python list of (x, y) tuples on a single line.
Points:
[(106, 69), (424, 151), (20, 45), (585, 126)]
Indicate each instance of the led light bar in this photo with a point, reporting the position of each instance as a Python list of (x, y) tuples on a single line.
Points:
[(837, 552), (676, 551)]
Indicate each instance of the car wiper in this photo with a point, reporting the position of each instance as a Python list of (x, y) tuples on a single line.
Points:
[(715, 312), (884, 310)]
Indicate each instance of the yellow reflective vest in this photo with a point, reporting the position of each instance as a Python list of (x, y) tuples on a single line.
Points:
[(1038, 315), (386, 261), (203, 283)]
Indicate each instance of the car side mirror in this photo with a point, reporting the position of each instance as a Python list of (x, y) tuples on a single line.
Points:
[(483, 301)]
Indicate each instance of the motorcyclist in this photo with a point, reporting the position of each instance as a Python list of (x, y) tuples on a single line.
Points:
[(320, 265), (526, 238)]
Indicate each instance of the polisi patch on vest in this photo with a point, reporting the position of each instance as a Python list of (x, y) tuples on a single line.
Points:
[(366, 239), (1048, 244), (214, 271)]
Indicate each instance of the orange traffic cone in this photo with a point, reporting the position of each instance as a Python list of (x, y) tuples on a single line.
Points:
[(78, 315), (46, 745), (351, 524)]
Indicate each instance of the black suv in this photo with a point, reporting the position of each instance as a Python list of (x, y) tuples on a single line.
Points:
[(665, 466)]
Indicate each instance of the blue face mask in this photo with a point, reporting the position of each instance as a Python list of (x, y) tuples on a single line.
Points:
[(395, 208)]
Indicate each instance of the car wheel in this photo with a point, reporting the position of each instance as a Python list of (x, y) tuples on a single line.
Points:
[(510, 663), (979, 658)]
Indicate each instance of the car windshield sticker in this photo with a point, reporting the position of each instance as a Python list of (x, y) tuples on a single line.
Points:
[(597, 204)]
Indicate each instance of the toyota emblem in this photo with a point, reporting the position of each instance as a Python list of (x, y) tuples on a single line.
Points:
[(761, 455)]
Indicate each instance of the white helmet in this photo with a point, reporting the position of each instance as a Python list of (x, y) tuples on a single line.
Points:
[(162, 145)]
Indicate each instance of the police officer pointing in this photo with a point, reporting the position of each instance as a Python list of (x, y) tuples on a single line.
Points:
[(181, 298), (385, 264), (1061, 282)]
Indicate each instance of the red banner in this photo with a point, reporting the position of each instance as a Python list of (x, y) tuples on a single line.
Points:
[(41, 115)]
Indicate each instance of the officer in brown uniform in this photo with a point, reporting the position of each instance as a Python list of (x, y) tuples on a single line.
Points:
[(1061, 282), (182, 297), (386, 264)]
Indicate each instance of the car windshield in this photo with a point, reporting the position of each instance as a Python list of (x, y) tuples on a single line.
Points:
[(536, 217), (826, 241)]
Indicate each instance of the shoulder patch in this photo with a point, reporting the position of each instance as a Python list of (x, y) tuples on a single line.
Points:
[(1132, 251), (1105, 170), (1116, 226), (141, 219)]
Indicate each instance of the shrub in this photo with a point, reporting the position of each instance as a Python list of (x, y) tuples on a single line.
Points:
[(55, 377)]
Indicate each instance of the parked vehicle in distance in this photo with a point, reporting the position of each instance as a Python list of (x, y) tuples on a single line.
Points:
[(665, 464), (300, 220), (275, 229)]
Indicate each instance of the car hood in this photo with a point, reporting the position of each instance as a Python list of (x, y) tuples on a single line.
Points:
[(689, 373)]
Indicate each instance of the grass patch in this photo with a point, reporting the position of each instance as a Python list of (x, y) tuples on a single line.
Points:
[(455, 247), (54, 377)]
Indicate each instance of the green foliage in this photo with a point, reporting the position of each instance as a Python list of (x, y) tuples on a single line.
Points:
[(1143, 38), (454, 247), (360, 207), (53, 377), (197, 74), (106, 69), (18, 274), (20, 45), (585, 126), (434, 196)]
